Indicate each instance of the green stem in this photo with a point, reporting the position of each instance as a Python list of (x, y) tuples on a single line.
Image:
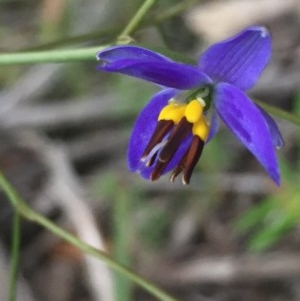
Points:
[(106, 34), (279, 112), (174, 10), (137, 18), (15, 250), (51, 56), (34, 216)]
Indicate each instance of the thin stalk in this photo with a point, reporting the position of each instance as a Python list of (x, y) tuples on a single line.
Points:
[(279, 113), (106, 34), (50, 56), (34, 216), (15, 254), (174, 10), (137, 18)]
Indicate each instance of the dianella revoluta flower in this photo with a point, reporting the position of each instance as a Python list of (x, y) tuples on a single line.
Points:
[(174, 126)]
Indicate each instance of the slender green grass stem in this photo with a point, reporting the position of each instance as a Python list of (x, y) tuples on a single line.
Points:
[(174, 10), (15, 252), (108, 34), (28, 213), (50, 56), (137, 18)]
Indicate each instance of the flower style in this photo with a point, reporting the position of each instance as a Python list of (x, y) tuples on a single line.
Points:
[(172, 129)]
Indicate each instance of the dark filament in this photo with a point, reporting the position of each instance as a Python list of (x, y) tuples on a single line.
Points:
[(182, 129), (162, 128), (188, 161)]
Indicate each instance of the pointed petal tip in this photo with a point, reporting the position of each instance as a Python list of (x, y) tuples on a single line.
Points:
[(274, 174), (249, 125), (238, 60), (264, 32), (273, 128), (278, 181), (98, 54)]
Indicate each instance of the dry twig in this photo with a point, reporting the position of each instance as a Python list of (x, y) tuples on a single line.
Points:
[(229, 270), (66, 191)]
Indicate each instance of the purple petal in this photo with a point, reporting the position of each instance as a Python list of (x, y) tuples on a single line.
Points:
[(247, 123), (151, 66), (114, 53), (144, 127), (273, 128), (143, 130), (239, 60)]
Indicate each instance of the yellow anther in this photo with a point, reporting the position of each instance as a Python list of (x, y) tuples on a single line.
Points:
[(172, 111), (193, 111), (201, 129)]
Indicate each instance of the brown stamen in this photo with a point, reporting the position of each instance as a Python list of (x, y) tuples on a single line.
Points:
[(189, 161), (182, 129), (158, 170), (162, 128), (178, 169), (179, 133), (166, 149)]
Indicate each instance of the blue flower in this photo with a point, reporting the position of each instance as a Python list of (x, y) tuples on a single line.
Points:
[(172, 129)]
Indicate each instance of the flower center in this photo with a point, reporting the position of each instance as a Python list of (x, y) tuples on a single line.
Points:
[(178, 124)]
